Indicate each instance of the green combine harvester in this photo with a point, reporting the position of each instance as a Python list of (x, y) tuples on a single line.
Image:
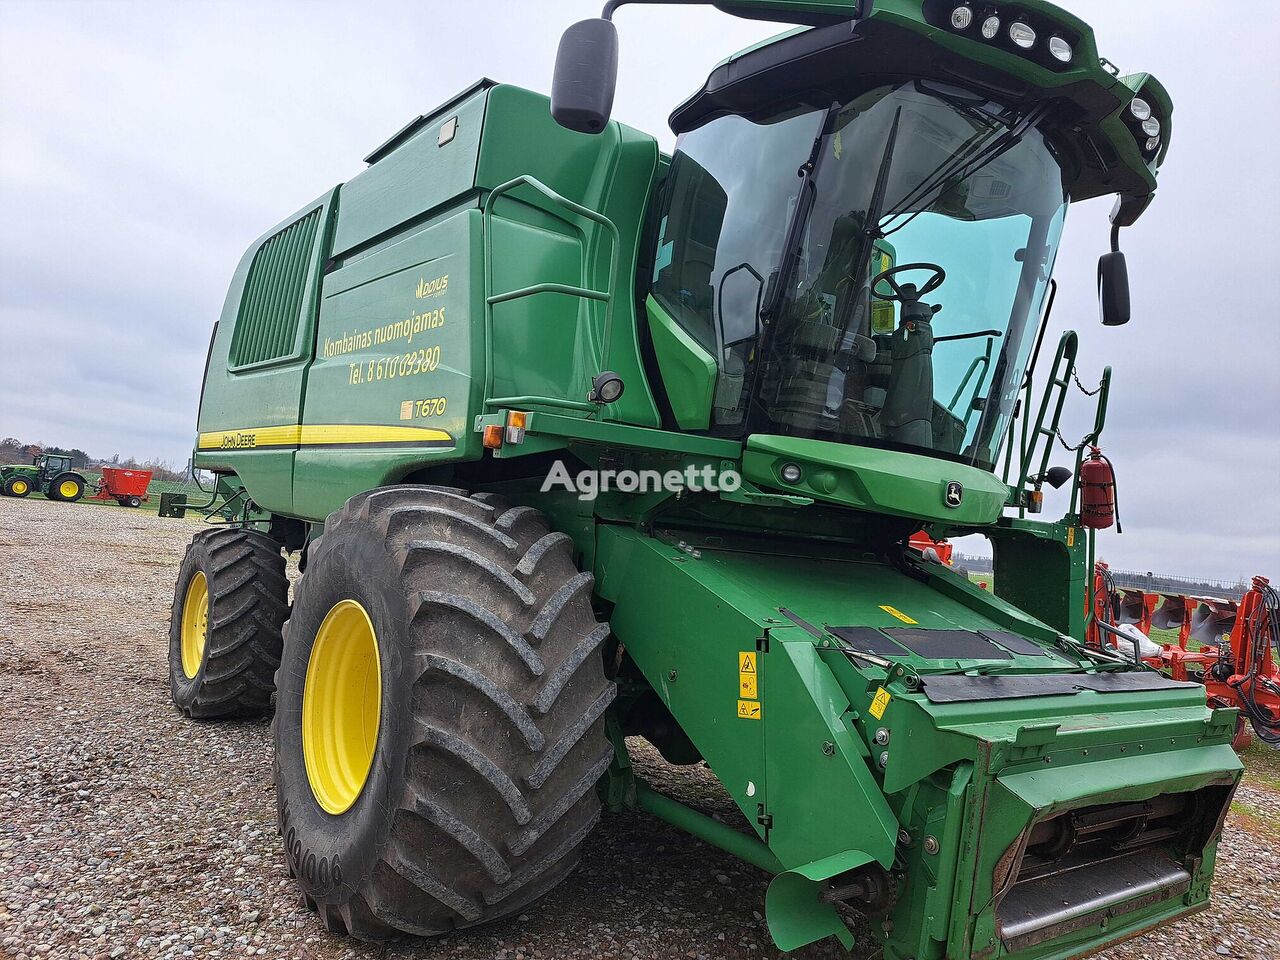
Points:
[(580, 442)]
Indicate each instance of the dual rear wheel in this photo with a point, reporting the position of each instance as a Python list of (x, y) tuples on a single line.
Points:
[(439, 715)]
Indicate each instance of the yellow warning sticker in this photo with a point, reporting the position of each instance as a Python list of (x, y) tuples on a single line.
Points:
[(894, 612), (749, 709), (880, 703), (1071, 536), (747, 677)]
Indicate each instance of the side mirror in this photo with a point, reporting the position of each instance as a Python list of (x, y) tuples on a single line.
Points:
[(1058, 477), (586, 76), (1113, 289)]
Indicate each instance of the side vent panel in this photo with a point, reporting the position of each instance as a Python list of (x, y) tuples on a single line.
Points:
[(271, 306)]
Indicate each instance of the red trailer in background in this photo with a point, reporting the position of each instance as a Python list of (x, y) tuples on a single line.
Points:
[(126, 487)]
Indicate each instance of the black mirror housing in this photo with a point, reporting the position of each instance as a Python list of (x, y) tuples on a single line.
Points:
[(1058, 477), (586, 76), (1113, 289)]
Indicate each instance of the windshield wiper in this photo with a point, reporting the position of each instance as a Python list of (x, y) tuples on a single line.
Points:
[(962, 167), (804, 204), (969, 336), (871, 227), (871, 224)]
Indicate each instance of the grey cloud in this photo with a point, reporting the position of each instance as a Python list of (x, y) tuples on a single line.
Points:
[(144, 145)]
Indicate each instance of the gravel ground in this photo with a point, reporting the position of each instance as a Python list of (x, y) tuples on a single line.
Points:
[(128, 831)]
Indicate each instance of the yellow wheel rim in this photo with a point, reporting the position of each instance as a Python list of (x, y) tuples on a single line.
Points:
[(195, 624), (68, 488), (341, 706), (19, 487)]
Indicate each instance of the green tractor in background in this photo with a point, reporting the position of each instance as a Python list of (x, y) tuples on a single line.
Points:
[(580, 441), (48, 474)]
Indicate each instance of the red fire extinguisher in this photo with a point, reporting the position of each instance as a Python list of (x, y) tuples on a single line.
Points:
[(1098, 492)]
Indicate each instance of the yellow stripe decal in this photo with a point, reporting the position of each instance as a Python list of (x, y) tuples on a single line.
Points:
[(319, 435), (315, 434)]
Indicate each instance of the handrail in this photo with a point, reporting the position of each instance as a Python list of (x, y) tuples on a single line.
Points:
[(1060, 374), (491, 299), (983, 361)]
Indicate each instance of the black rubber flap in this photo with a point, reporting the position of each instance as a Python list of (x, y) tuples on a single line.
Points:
[(868, 640), (1015, 643), (1130, 682), (963, 689), (947, 644)]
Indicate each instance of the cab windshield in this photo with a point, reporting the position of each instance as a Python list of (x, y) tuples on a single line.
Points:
[(777, 236)]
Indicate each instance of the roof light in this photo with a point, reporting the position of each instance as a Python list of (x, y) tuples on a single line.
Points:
[(1022, 35), (791, 473), (1151, 127), (1060, 49), (962, 18), (990, 28), (1153, 145), (1140, 109)]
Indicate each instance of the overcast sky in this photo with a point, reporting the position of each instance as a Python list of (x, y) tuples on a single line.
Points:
[(144, 145)]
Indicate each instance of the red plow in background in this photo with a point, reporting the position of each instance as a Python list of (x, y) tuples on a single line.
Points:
[(1232, 647)]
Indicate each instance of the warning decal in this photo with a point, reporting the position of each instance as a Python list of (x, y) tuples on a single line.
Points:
[(894, 612), (880, 703), (748, 686)]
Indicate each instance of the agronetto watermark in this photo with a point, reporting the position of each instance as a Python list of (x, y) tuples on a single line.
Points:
[(589, 484)]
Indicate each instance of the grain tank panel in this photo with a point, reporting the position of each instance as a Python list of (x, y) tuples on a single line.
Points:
[(387, 367), (392, 387), (251, 402)]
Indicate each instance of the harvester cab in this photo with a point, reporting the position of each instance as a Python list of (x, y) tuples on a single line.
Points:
[(584, 442)]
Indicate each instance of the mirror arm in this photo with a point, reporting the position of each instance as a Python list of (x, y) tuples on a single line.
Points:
[(613, 5)]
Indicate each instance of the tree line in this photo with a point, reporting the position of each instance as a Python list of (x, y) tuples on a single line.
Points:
[(13, 450)]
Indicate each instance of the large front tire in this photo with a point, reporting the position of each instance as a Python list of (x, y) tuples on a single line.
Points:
[(439, 771), (225, 628)]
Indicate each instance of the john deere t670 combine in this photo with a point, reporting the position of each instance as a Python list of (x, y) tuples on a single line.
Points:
[(777, 354)]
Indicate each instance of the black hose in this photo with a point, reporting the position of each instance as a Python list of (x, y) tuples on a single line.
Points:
[(1262, 633)]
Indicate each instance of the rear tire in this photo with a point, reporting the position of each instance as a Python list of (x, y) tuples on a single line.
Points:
[(231, 672), (490, 699), (17, 486), (66, 487), (132, 502)]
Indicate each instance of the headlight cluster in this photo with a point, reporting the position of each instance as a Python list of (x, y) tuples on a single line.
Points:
[(1145, 125), (1011, 27)]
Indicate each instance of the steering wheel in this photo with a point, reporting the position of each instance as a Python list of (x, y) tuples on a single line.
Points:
[(908, 292)]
